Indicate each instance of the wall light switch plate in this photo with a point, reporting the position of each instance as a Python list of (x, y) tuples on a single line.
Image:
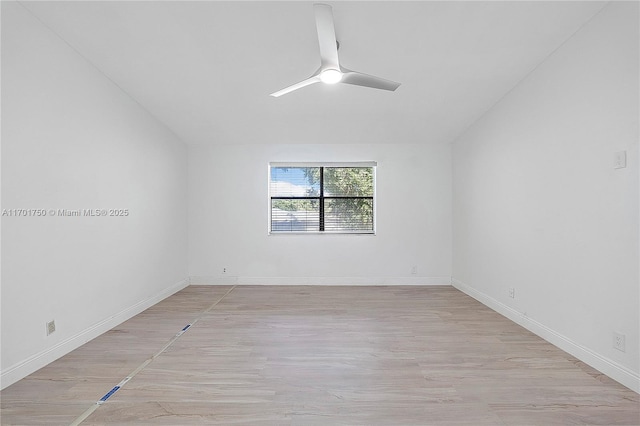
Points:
[(620, 160)]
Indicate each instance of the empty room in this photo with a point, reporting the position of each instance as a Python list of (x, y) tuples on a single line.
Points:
[(320, 213)]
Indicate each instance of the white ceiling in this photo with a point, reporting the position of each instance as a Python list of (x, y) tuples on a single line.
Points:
[(205, 69)]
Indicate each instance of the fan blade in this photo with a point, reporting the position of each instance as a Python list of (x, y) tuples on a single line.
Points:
[(311, 80), (326, 36), (360, 79)]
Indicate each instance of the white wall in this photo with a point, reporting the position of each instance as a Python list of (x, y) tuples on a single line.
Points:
[(228, 209), (72, 140), (538, 206)]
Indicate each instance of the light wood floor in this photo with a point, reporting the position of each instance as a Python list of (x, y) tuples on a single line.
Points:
[(320, 356)]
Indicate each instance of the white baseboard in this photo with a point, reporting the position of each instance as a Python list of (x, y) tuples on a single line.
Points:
[(601, 363), (35, 362), (355, 281)]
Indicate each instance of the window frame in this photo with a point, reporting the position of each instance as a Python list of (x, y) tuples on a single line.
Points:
[(368, 164)]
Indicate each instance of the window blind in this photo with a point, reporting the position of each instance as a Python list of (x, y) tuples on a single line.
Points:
[(320, 198)]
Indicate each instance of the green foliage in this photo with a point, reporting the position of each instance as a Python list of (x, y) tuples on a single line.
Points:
[(313, 175), (295, 205), (346, 213), (348, 181)]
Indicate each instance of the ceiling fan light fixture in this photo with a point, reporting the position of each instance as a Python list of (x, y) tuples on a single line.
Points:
[(330, 71), (330, 76)]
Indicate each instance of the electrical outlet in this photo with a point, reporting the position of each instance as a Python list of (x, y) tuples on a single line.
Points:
[(512, 292), (51, 327), (414, 270), (224, 270), (620, 160), (619, 341)]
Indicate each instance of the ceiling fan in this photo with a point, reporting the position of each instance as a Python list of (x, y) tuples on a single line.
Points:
[(330, 71)]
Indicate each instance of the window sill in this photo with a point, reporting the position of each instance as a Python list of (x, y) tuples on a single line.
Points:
[(321, 233)]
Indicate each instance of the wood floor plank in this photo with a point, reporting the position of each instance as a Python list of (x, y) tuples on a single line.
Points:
[(301, 355)]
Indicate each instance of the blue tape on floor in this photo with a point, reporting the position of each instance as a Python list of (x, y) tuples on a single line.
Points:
[(108, 394)]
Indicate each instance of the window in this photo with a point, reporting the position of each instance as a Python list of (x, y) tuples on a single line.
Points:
[(321, 198)]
